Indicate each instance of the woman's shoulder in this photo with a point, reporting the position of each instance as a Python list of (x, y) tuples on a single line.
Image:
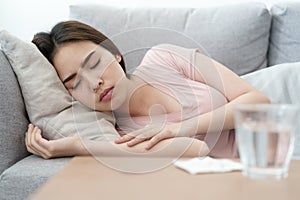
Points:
[(168, 55), (158, 51), (159, 55), (165, 50)]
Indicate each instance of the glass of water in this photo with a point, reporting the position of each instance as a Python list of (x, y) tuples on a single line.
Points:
[(265, 137)]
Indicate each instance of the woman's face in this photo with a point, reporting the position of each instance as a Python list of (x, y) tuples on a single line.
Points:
[(91, 74)]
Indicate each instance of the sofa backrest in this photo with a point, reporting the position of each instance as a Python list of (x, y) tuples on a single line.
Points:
[(13, 121), (285, 33), (235, 35)]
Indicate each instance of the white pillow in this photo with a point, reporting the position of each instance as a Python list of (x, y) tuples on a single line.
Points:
[(47, 102), (281, 83)]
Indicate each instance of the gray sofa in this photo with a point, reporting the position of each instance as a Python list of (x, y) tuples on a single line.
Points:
[(247, 38)]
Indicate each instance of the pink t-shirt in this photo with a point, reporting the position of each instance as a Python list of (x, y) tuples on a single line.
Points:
[(170, 69)]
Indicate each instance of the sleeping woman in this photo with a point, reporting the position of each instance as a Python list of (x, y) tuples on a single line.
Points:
[(178, 102)]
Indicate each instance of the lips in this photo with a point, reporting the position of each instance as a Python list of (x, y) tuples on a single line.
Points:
[(106, 94)]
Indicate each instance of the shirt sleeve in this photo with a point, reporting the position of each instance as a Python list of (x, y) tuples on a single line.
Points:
[(171, 56)]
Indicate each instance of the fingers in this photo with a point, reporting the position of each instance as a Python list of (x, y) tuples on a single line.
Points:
[(131, 139), (152, 142), (140, 135), (124, 138), (30, 140), (129, 136), (35, 143), (157, 138), (39, 142), (135, 137), (136, 141), (28, 136), (154, 133)]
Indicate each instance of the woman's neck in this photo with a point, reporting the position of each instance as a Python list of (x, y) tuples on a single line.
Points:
[(144, 100), (136, 100)]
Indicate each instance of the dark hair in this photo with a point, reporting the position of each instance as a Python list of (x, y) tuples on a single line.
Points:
[(72, 31)]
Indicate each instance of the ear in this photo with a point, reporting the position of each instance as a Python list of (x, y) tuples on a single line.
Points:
[(118, 58)]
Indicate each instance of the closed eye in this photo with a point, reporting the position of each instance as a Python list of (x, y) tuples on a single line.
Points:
[(95, 65), (76, 84)]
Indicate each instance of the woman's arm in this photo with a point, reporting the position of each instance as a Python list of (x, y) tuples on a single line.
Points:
[(76, 146), (234, 90)]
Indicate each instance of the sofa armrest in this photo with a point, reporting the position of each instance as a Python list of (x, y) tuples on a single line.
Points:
[(13, 120)]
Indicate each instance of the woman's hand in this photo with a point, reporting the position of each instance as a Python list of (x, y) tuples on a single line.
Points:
[(39, 146), (155, 134), (72, 146)]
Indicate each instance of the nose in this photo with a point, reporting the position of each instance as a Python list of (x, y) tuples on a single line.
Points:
[(95, 84), (93, 80)]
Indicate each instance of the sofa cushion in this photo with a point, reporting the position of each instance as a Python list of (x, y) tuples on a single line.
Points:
[(48, 103), (13, 121), (235, 35), (23, 178), (281, 83), (285, 33)]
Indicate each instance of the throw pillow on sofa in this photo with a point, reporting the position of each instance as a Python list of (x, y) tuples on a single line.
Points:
[(47, 102), (285, 33)]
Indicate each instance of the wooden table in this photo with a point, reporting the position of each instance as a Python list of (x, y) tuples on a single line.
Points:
[(90, 178)]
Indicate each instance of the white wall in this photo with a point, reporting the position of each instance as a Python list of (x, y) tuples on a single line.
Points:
[(26, 17)]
